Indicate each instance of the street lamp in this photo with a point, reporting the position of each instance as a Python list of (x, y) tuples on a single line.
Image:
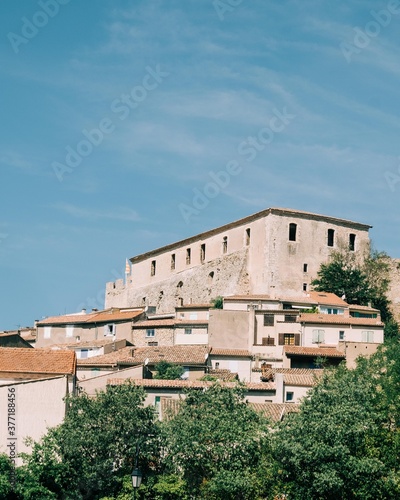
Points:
[(136, 474), (136, 478)]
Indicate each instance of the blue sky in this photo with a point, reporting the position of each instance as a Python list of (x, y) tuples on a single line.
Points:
[(289, 104)]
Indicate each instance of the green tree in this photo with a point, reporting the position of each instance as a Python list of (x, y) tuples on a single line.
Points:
[(6, 473), (359, 281), (168, 371), (218, 302), (218, 444), (333, 447), (87, 456)]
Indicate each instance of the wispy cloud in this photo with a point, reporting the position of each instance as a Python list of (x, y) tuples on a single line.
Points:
[(115, 213)]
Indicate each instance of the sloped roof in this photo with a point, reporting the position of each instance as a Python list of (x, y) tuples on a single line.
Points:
[(327, 352), (105, 316), (179, 354), (356, 307), (189, 384), (273, 411), (240, 353), (308, 298), (338, 319), (169, 323), (28, 360), (302, 377), (88, 343)]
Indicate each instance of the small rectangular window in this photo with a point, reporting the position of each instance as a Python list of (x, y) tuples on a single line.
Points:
[(367, 336), (188, 331), (318, 336), (150, 332), (172, 262), (188, 259), (305, 268), (152, 344), (352, 242), (331, 237), (269, 320), (341, 335), (202, 253), (109, 330), (153, 268), (289, 339), (292, 231), (84, 353), (289, 396), (290, 318), (304, 287), (247, 237)]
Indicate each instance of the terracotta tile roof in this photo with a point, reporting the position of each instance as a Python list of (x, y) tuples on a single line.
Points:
[(168, 323), (275, 411), (194, 306), (154, 323), (188, 384), (328, 352), (224, 375), (88, 343), (322, 298), (303, 377), (356, 307), (66, 319), (250, 298), (105, 316), (338, 319), (21, 360), (241, 353), (179, 354), (301, 380)]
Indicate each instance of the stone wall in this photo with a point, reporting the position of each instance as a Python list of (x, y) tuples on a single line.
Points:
[(226, 275)]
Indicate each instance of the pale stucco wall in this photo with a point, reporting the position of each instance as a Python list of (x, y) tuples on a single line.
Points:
[(39, 404), (228, 329)]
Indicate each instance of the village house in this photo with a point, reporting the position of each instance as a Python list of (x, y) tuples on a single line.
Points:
[(113, 323), (37, 380)]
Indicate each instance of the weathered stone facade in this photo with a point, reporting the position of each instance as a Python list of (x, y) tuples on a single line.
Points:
[(276, 251)]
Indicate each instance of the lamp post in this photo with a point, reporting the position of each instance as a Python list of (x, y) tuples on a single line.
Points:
[(136, 474)]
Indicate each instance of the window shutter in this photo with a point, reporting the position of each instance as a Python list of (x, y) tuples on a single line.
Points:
[(297, 339), (322, 336), (281, 339), (315, 336)]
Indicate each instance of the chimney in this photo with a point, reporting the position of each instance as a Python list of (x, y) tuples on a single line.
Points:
[(94, 309), (83, 311)]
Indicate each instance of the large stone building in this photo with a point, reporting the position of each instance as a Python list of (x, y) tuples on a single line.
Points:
[(274, 252)]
